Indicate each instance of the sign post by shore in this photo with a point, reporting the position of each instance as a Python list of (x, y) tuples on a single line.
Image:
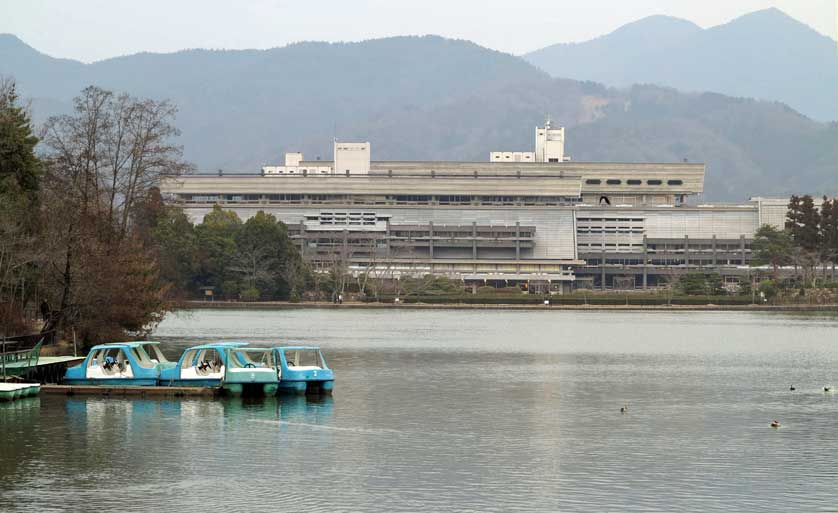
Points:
[(4, 357)]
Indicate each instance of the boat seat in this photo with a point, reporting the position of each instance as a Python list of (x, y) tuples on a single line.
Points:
[(193, 373)]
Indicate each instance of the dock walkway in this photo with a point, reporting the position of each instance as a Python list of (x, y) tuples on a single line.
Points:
[(132, 391)]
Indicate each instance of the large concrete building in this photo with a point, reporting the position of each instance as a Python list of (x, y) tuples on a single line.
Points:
[(534, 217)]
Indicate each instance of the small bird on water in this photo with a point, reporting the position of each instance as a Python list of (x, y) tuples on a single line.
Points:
[(775, 423), (624, 409), (792, 388), (827, 389)]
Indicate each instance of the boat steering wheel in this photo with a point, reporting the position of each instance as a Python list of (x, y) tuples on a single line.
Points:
[(249, 366)]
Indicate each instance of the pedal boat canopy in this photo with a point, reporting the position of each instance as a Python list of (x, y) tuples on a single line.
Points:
[(118, 364)]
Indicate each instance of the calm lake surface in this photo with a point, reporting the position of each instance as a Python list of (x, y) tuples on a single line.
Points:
[(461, 411)]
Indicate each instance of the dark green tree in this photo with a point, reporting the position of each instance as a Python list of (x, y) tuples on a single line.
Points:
[(20, 169), (829, 231), (217, 252), (251, 260), (803, 222), (701, 284), (745, 288), (21, 255), (222, 222), (259, 254), (176, 247), (772, 247)]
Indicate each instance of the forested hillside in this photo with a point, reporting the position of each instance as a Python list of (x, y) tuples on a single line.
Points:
[(418, 98)]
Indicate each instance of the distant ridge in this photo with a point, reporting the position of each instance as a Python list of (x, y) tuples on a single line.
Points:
[(764, 54), (430, 98)]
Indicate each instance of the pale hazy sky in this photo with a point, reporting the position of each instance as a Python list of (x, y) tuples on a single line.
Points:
[(90, 30)]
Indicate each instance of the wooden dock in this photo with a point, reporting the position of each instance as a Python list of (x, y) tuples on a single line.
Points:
[(50, 369), (131, 391)]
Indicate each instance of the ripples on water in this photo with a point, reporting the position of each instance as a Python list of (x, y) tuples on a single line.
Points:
[(461, 411)]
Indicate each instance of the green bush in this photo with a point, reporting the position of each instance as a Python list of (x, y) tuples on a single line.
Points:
[(230, 289), (768, 288), (701, 284), (744, 288), (251, 294)]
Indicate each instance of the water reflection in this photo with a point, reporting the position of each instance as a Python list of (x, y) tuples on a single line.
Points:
[(18, 420), (502, 413)]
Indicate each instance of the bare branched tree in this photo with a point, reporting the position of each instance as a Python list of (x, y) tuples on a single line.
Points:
[(110, 152), (101, 161), (292, 272), (339, 261), (255, 264)]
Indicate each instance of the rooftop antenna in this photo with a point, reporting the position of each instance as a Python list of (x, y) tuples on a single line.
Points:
[(548, 122)]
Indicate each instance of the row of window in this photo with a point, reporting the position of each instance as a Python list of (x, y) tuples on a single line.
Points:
[(394, 199), (347, 218), (597, 245), (593, 262), (459, 235), (600, 220), (586, 231), (593, 246), (615, 181)]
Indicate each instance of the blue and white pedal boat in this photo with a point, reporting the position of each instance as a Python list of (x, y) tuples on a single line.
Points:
[(199, 366), (119, 364), (303, 370)]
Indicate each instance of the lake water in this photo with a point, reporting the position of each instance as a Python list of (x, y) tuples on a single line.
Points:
[(476, 411)]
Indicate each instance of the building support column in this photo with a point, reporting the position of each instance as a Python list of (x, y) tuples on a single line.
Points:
[(345, 256), (742, 248), (387, 241), (303, 241), (602, 268), (431, 240), (687, 251), (602, 260), (518, 241), (645, 263), (715, 260), (474, 240)]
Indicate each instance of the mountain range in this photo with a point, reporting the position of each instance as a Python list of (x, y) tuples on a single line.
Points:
[(430, 98), (764, 54)]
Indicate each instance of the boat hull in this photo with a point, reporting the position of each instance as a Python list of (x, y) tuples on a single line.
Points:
[(240, 389), (307, 386), (202, 383), (12, 391)]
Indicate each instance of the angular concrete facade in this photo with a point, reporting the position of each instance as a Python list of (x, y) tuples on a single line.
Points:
[(543, 222)]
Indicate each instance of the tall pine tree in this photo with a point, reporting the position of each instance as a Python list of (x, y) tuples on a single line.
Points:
[(803, 222), (829, 231), (19, 167)]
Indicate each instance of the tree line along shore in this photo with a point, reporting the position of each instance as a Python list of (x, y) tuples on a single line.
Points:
[(89, 249)]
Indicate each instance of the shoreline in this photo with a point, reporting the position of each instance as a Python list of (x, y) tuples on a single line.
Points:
[(285, 305)]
